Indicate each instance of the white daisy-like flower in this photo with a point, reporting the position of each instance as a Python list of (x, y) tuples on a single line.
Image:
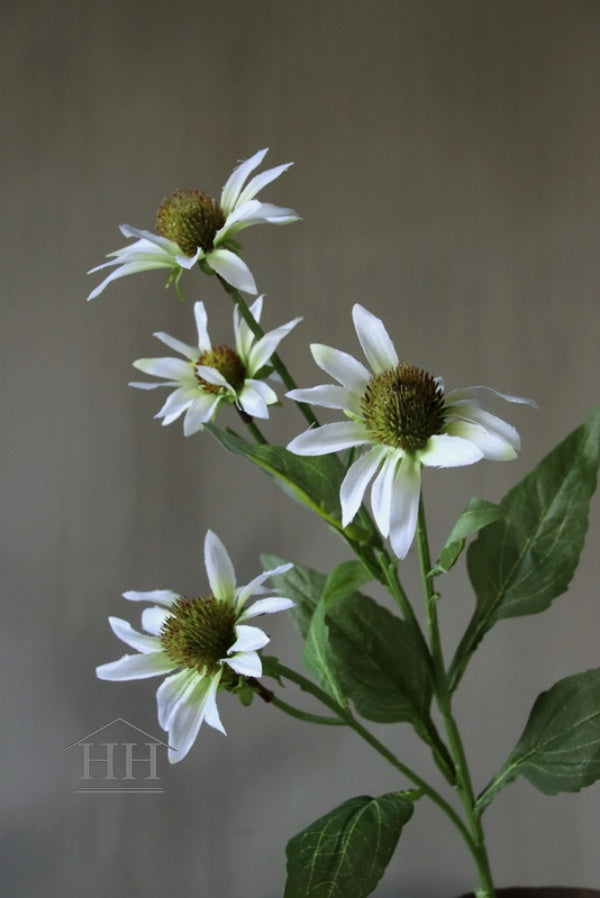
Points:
[(405, 420), (205, 640), (210, 375), (192, 227)]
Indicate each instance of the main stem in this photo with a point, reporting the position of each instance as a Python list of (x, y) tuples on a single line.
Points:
[(464, 786)]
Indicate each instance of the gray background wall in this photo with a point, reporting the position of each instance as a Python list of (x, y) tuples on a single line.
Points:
[(447, 174)]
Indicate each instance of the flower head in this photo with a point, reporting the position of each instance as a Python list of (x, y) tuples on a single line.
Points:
[(204, 639), (405, 420), (209, 375), (192, 227)]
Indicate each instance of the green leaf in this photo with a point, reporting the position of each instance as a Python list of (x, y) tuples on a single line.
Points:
[(317, 656), (302, 584), (345, 579), (312, 480), (523, 561), (379, 664), (345, 853), (478, 514), (559, 750)]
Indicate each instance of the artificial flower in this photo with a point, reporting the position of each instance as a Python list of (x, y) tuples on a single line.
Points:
[(210, 374), (205, 640), (405, 420), (192, 227)]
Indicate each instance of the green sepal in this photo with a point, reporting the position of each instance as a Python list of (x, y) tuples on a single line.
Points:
[(527, 558), (479, 513), (345, 853), (559, 750)]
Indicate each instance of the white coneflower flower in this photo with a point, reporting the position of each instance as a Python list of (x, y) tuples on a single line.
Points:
[(192, 227), (206, 640), (209, 375), (404, 418)]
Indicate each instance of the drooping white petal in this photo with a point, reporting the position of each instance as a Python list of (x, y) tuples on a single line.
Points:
[(381, 492), (490, 422), (163, 596), (139, 641), (190, 352), (153, 618), (200, 411), (251, 399), (481, 393), (374, 339), (135, 667), (232, 269), (201, 319), (327, 396), (168, 247), (356, 481), (188, 262), (443, 450), (490, 444), (212, 376), (189, 714), (249, 639), (219, 568), (263, 349), (171, 692), (329, 438), (126, 269), (237, 178), (347, 370), (248, 664), (255, 586), (259, 181), (176, 404), (266, 606), (405, 505)]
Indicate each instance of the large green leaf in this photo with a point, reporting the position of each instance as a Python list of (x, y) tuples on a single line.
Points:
[(345, 853), (379, 663), (559, 750), (523, 561), (312, 480), (302, 584)]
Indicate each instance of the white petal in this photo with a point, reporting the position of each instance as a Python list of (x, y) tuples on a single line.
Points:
[(343, 367), (329, 438), (168, 247), (244, 337), (153, 619), (176, 404), (255, 585), (405, 505), (236, 180), (188, 262), (212, 376), (247, 664), (171, 692), (374, 339), (163, 596), (251, 400), (188, 715), (259, 181), (135, 667), (232, 269), (201, 319), (124, 270), (480, 393), (356, 481), (446, 451), (276, 215), (490, 422), (131, 637), (174, 370), (200, 411), (263, 349), (490, 444), (190, 352), (249, 639), (149, 384), (266, 606), (219, 568), (327, 396), (381, 493)]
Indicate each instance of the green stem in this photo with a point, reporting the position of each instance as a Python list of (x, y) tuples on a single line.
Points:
[(258, 332), (345, 715), (464, 786), (304, 715)]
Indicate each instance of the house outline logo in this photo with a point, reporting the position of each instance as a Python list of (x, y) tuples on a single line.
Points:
[(115, 756)]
